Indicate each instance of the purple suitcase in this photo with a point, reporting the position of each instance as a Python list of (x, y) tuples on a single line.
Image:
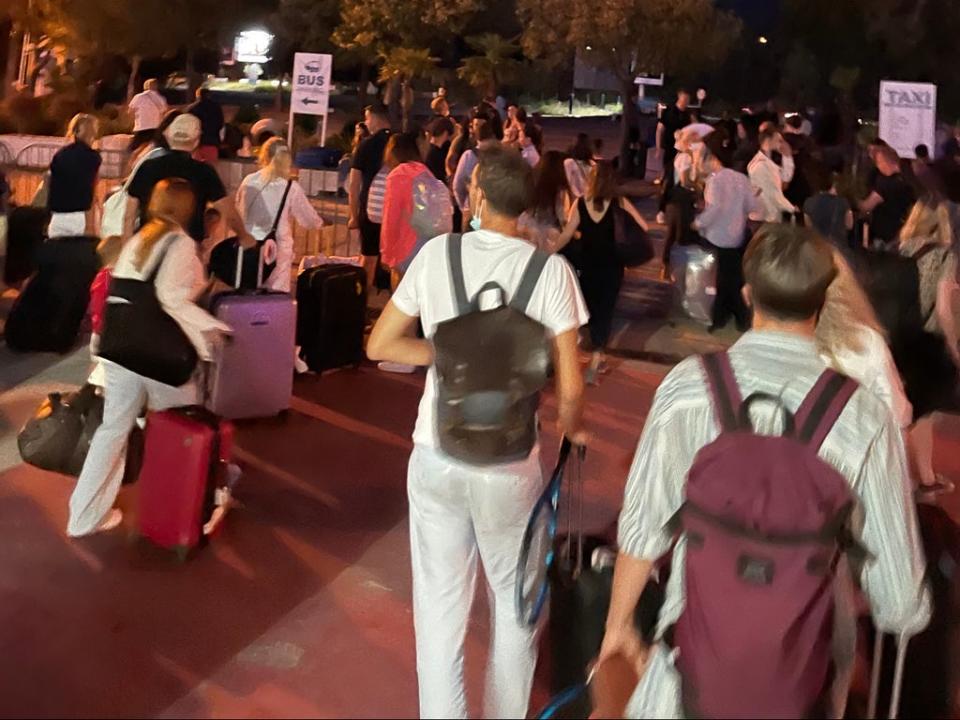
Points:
[(252, 375)]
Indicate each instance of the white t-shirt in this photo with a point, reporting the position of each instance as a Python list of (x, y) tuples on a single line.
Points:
[(426, 292), (148, 109)]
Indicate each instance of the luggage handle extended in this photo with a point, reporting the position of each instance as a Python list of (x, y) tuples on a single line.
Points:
[(238, 278), (575, 484), (903, 641)]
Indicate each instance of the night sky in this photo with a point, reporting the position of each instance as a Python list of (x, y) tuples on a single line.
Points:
[(760, 15)]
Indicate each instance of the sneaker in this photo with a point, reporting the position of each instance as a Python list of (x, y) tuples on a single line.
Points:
[(299, 366), (661, 218), (591, 376), (392, 367)]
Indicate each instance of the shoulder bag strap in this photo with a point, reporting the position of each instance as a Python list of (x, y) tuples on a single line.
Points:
[(724, 390), (819, 412), (283, 204), (455, 257), (529, 280), (152, 278)]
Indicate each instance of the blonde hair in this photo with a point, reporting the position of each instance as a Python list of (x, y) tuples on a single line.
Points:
[(79, 122), (271, 148), (171, 207), (846, 312), (928, 220)]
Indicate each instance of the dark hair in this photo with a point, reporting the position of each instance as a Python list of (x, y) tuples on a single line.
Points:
[(440, 126), (719, 144), (768, 132), (521, 114), (377, 109), (581, 149), (549, 180), (789, 269), (604, 184), (795, 121), (598, 146), (535, 134), (486, 131), (203, 93), (486, 112), (682, 91), (401, 148), (506, 180), (922, 152)]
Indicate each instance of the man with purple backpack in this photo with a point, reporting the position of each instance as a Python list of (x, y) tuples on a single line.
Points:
[(774, 482)]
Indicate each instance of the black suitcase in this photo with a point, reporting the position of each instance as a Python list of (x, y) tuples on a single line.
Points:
[(49, 312), (26, 228), (331, 314)]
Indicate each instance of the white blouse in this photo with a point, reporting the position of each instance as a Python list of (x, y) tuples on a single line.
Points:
[(178, 284)]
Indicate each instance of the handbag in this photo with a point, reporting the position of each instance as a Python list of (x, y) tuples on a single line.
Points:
[(140, 336), (633, 244), (223, 257), (58, 435)]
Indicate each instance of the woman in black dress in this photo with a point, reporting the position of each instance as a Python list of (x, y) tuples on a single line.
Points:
[(599, 268)]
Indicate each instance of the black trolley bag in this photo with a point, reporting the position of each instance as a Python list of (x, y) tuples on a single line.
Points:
[(331, 316)]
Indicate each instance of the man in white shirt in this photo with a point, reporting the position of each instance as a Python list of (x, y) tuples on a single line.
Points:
[(769, 178), (460, 511), (788, 271), (148, 109)]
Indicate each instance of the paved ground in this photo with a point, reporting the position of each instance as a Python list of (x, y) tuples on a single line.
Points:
[(301, 606)]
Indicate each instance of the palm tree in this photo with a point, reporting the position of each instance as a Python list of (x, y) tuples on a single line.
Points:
[(401, 66), (494, 63)]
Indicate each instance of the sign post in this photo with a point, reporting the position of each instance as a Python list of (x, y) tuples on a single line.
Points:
[(310, 92), (908, 116)]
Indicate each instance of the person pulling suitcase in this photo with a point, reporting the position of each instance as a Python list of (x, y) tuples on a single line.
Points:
[(154, 334)]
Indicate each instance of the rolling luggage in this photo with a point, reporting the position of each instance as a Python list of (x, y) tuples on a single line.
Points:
[(26, 228), (49, 312), (185, 450), (253, 372), (695, 270), (332, 304)]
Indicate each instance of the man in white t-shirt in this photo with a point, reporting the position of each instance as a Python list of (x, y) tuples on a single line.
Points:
[(457, 511), (148, 109)]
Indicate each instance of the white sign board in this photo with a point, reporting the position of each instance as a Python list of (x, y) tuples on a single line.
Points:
[(252, 46), (908, 115), (311, 83)]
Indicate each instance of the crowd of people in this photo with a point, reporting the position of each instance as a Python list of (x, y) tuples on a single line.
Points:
[(814, 274)]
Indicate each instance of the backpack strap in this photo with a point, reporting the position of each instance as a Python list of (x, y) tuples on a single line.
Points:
[(820, 410), (723, 389), (455, 257), (529, 280)]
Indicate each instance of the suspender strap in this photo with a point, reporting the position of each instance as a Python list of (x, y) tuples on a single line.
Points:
[(529, 280), (455, 257), (820, 410), (723, 389)]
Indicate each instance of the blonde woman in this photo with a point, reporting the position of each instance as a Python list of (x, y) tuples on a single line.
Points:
[(852, 341), (164, 246), (926, 346), (270, 197), (73, 181)]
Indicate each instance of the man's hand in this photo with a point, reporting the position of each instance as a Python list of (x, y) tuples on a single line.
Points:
[(626, 642), (269, 251)]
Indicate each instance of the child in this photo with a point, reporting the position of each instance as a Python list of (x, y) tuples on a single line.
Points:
[(108, 250)]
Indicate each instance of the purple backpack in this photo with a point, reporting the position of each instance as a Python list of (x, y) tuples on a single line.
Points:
[(766, 521)]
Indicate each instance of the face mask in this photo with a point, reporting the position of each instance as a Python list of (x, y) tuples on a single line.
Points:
[(475, 220)]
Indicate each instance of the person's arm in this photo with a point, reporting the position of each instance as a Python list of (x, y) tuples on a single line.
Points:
[(711, 208), (787, 166), (130, 216), (228, 210), (354, 189), (634, 213), (573, 222), (659, 141), (872, 201), (947, 290), (848, 219), (179, 282), (569, 384), (393, 339), (893, 579), (461, 180), (302, 210)]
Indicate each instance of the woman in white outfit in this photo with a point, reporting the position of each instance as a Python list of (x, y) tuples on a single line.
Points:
[(851, 340), (259, 199), (161, 243)]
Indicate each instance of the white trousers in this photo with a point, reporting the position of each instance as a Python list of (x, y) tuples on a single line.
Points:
[(125, 394), (457, 514)]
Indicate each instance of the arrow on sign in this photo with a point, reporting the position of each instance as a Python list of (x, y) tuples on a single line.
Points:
[(310, 101)]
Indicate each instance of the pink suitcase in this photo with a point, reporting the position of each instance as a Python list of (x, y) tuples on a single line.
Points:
[(252, 375), (184, 450)]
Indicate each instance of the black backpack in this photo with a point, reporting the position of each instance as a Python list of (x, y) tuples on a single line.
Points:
[(491, 366)]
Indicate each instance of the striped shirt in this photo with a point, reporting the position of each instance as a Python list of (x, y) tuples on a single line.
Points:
[(865, 446)]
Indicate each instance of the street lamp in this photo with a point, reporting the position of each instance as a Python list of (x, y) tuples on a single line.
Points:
[(762, 40)]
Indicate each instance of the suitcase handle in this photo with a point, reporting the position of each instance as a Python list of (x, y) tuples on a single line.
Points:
[(239, 274)]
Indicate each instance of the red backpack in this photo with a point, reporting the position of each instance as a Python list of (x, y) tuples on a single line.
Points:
[(766, 521)]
